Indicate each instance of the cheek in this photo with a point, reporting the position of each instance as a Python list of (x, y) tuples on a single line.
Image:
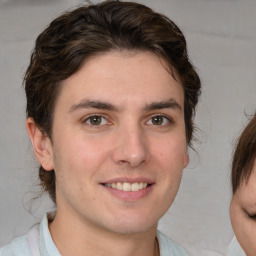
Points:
[(75, 165), (81, 155), (171, 163), (173, 154), (91, 151), (248, 197)]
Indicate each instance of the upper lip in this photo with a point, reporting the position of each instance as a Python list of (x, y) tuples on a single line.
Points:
[(128, 180)]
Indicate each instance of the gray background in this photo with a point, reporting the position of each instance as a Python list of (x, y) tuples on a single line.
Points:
[(222, 40)]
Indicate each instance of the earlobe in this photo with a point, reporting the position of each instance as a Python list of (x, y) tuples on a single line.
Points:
[(42, 145), (186, 159)]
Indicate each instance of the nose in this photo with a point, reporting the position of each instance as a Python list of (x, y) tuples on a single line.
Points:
[(131, 147)]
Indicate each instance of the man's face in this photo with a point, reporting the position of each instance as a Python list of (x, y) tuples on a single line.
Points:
[(119, 126)]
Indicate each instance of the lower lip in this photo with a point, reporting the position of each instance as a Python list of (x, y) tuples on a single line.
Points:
[(130, 195)]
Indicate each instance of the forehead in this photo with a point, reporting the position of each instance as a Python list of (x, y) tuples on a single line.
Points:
[(124, 77)]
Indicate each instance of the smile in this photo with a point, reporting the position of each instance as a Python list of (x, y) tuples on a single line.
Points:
[(125, 186)]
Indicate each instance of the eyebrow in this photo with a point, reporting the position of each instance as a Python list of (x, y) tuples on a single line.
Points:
[(85, 104), (171, 103)]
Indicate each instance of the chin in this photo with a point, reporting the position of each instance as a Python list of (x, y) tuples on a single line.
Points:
[(127, 225)]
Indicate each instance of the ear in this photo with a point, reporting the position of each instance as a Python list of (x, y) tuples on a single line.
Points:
[(42, 145), (186, 159)]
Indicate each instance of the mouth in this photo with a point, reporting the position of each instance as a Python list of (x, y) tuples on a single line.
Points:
[(127, 187)]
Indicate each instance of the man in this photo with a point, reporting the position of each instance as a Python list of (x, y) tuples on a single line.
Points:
[(111, 96)]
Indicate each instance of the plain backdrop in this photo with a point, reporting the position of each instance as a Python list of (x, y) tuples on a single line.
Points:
[(221, 36)]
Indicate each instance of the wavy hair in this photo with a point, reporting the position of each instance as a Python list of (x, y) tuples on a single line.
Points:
[(86, 31)]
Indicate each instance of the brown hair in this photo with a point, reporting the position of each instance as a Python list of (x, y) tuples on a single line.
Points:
[(75, 36), (244, 155)]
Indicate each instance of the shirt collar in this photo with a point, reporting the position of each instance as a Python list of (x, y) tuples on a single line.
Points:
[(47, 246)]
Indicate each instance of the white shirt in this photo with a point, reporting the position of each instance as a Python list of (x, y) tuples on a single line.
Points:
[(21, 247), (234, 249)]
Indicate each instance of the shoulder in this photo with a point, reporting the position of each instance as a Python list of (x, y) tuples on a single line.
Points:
[(18, 247), (234, 249), (169, 247)]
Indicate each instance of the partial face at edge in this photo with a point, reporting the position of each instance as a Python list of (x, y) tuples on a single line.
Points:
[(119, 125), (243, 213)]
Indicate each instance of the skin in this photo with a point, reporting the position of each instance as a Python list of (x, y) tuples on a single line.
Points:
[(243, 212), (139, 136)]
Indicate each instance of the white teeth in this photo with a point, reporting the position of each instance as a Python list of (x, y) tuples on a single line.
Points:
[(125, 186), (119, 186), (135, 187)]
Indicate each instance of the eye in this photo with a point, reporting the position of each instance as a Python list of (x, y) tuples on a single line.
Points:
[(95, 120), (158, 120), (253, 216)]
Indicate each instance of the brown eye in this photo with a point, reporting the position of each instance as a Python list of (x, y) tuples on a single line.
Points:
[(96, 120), (157, 120)]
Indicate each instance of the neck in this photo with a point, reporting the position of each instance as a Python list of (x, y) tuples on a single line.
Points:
[(74, 237)]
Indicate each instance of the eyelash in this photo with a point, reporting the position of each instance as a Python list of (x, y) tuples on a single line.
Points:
[(166, 120), (89, 118)]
